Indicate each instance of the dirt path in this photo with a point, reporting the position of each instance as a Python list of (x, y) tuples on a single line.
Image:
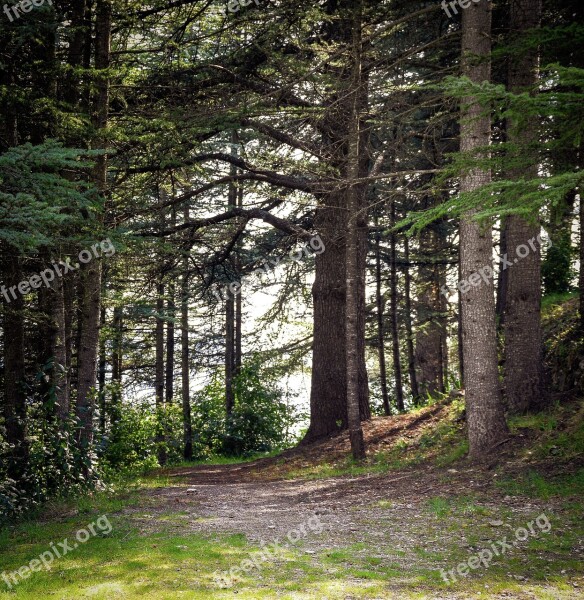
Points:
[(420, 520)]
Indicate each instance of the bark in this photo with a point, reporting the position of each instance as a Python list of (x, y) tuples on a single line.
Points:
[(431, 333), (60, 364), (171, 314), (581, 274), (459, 327), (91, 273), (14, 408), (229, 353), (230, 342), (185, 375), (159, 344), (328, 394), (352, 266), (502, 278), (408, 319), (238, 299), (117, 353), (397, 371), (524, 387), (485, 417), (159, 369), (380, 329), (102, 367), (87, 352)]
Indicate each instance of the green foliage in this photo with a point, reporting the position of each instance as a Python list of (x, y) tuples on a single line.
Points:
[(56, 466), (136, 437), (36, 201), (260, 422), (556, 269), (564, 346), (560, 100)]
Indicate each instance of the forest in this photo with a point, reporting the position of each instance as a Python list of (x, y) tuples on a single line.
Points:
[(291, 299)]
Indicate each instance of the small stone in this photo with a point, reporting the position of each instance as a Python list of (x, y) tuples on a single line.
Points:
[(496, 523)]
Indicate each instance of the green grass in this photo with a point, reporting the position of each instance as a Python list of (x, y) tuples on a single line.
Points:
[(129, 563), (535, 485)]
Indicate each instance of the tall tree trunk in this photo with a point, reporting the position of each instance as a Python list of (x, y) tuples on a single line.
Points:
[(159, 348), (459, 327), (185, 374), (328, 393), (101, 369), (380, 333), (171, 314), (230, 341), (15, 417), (430, 337), (159, 368), (408, 319), (397, 371), (117, 357), (91, 272), (352, 266), (524, 387), (581, 274), (229, 353), (60, 364), (238, 298), (485, 417)]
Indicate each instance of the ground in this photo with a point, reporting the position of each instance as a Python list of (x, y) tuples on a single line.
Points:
[(381, 530)]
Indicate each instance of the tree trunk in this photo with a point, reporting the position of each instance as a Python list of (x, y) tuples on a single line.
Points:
[(581, 274), (408, 319), (185, 375), (60, 363), (352, 266), (91, 273), (15, 416), (229, 353), (430, 337), (101, 369), (380, 333), (328, 394), (159, 341), (485, 417), (397, 371), (171, 314), (238, 298), (159, 369), (522, 321)]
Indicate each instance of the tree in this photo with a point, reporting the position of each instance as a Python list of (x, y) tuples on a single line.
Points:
[(485, 416), (352, 267), (524, 386)]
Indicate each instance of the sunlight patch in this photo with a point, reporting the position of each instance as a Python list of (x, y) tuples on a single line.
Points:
[(108, 590)]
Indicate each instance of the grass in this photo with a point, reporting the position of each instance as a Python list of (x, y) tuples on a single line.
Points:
[(131, 563), (536, 485), (126, 564)]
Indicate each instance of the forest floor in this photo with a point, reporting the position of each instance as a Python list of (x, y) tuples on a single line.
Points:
[(310, 524)]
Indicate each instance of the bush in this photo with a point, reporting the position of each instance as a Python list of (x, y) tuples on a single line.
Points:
[(139, 435), (260, 422)]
